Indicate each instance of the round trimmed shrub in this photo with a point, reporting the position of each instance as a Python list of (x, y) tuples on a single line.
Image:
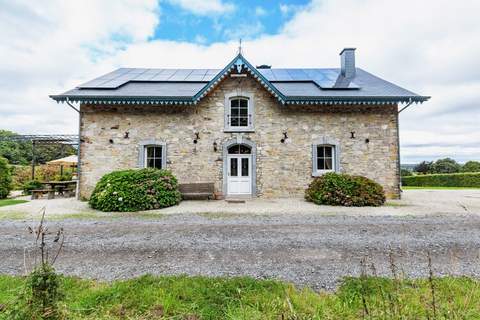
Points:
[(135, 190), (5, 178), (345, 190)]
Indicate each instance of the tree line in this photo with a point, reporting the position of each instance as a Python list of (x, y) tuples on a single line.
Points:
[(446, 165)]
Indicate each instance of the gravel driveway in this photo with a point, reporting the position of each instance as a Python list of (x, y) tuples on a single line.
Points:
[(310, 249)]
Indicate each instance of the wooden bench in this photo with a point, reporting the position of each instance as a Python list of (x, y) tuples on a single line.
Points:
[(197, 191), (40, 192)]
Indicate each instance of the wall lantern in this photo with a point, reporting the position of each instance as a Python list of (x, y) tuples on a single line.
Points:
[(215, 146), (285, 137), (197, 137)]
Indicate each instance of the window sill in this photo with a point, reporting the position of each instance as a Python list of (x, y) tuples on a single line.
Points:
[(321, 173), (239, 130)]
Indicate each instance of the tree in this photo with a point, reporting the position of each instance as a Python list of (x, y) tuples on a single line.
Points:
[(471, 166), (405, 172), (424, 167), (5, 178), (446, 165)]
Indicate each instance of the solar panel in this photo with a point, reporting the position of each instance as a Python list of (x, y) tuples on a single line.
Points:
[(323, 78), (324, 83), (281, 75), (297, 74), (267, 73)]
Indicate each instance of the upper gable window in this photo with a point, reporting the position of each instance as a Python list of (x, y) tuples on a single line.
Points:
[(239, 114)]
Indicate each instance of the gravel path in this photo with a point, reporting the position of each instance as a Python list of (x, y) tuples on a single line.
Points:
[(307, 249)]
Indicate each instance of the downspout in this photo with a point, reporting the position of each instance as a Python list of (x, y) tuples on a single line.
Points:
[(398, 147), (77, 191)]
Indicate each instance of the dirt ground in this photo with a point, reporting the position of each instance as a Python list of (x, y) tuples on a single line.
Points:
[(308, 248)]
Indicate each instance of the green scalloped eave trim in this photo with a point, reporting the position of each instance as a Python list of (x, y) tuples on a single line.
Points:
[(323, 101), (126, 101), (356, 100)]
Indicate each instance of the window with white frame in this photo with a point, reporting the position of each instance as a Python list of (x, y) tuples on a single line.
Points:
[(239, 115), (154, 157), (324, 159)]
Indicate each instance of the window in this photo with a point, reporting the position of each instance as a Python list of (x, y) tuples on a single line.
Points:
[(238, 112), (239, 115), (239, 149), (325, 158), (154, 157)]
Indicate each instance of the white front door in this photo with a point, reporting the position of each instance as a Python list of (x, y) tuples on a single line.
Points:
[(239, 174)]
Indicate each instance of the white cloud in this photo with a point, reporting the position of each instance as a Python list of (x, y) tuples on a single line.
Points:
[(428, 50), (204, 7), (260, 11), (287, 9)]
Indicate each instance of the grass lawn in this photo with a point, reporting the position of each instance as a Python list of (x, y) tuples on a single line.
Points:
[(182, 297), (9, 202), (438, 188)]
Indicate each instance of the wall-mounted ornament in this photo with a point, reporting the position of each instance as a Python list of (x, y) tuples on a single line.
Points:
[(215, 146), (126, 135), (352, 135), (367, 140), (197, 137), (285, 137), (111, 141)]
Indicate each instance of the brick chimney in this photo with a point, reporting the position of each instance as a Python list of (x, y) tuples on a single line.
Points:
[(347, 58)]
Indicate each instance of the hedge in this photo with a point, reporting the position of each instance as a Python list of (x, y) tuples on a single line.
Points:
[(443, 180)]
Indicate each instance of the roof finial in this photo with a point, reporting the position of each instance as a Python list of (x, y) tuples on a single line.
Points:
[(240, 46)]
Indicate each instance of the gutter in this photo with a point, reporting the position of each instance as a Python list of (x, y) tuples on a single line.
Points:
[(398, 147), (77, 191)]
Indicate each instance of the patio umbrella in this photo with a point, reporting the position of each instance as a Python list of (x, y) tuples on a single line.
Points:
[(70, 161)]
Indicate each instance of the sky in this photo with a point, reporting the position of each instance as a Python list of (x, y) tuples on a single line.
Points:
[(430, 47)]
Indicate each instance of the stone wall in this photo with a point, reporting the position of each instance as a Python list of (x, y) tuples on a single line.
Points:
[(283, 169)]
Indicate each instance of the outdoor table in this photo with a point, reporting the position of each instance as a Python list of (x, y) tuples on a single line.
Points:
[(60, 186)]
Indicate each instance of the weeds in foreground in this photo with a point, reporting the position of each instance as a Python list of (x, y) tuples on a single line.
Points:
[(41, 294)]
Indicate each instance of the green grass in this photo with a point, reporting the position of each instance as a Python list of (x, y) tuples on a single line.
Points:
[(12, 215), (182, 297), (10, 202), (438, 188)]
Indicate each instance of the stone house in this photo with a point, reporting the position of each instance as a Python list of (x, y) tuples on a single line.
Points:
[(252, 131)]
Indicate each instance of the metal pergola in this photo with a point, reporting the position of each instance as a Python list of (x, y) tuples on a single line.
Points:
[(43, 139)]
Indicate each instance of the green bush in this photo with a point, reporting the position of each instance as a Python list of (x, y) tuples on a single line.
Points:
[(5, 178), (471, 166), (345, 190), (135, 190), (31, 185), (443, 180)]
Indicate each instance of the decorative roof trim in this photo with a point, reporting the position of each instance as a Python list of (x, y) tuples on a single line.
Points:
[(239, 62), (125, 100), (341, 100), (356, 100)]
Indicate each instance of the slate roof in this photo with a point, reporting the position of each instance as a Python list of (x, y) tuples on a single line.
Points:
[(188, 86)]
